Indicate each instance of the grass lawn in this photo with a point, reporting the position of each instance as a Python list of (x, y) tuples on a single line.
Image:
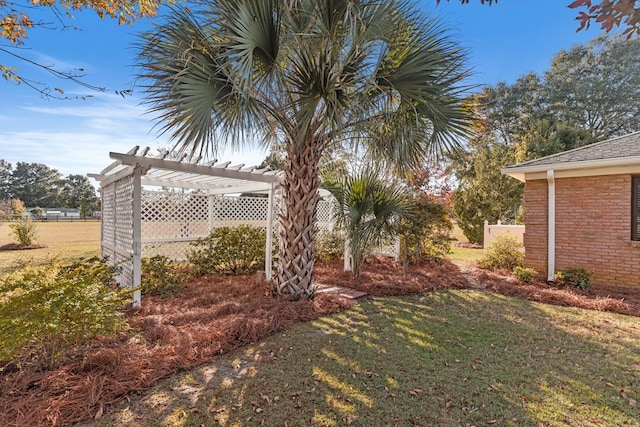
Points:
[(64, 240), (448, 358), (465, 255)]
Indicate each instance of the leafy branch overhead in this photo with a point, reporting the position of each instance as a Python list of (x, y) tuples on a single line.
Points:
[(18, 19)]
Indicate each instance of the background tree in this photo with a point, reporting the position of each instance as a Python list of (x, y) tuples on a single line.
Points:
[(77, 192), (35, 184), (588, 94), (311, 76), (483, 193), (596, 87), (5, 174)]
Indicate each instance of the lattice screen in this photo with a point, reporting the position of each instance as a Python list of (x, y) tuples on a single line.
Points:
[(117, 227), (172, 220), (324, 215)]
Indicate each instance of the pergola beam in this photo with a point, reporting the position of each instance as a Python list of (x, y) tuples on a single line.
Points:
[(214, 171)]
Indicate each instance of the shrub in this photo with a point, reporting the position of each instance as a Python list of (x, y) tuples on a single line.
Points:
[(524, 275), (424, 236), (160, 276), (25, 231), (329, 245), (229, 250), (48, 309), (503, 253), (577, 277)]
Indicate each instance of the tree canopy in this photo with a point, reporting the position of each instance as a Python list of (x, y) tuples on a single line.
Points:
[(36, 184), (589, 93)]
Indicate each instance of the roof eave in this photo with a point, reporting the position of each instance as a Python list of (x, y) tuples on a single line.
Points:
[(519, 172)]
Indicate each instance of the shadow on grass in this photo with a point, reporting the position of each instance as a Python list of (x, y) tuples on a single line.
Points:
[(446, 358)]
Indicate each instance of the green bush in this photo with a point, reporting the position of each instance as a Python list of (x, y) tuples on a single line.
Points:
[(524, 275), (160, 276), (229, 250), (329, 245), (577, 277), (424, 236), (24, 231), (503, 253), (48, 309)]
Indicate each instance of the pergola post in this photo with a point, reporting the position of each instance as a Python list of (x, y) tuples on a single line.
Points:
[(137, 235), (268, 262), (211, 201)]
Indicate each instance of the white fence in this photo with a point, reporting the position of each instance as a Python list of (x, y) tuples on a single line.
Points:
[(491, 232), (171, 220)]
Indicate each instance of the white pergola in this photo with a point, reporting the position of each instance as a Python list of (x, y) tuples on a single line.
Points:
[(130, 212)]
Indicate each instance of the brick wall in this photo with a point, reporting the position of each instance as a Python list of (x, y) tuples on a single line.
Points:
[(535, 220), (593, 228)]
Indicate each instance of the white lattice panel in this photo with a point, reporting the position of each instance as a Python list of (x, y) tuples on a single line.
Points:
[(170, 215), (108, 217), (235, 211), (324, 214), (117, 228), (171, 220)]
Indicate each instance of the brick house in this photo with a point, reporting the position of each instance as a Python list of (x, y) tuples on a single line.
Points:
[(582, 209)]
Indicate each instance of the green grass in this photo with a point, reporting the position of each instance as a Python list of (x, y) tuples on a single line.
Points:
[(462, 255), (450, 358), (64, 240), (465, 255)]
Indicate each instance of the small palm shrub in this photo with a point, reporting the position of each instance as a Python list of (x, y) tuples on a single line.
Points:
[(577, 277), (503, 253), (369, 208), (524, 275), (24, 231), (329, 245), (46, 310), (160, 276), (229, 250)]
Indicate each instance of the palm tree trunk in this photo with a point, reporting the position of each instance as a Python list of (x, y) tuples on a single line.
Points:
[(298, 223)]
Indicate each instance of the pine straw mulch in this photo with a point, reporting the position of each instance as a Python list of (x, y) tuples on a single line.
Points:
[(382, 277), (600, 298), (214, 315)]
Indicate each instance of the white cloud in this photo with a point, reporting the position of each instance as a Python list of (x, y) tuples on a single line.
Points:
[(76, 137)]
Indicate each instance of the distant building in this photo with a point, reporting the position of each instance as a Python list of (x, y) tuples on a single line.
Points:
[(55, 213)]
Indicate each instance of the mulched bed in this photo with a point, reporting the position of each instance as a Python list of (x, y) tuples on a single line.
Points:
[(214, 315), (19, 247), (381, 277), (600, 298)]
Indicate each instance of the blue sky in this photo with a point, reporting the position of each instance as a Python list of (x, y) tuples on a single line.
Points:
[(505, 41)]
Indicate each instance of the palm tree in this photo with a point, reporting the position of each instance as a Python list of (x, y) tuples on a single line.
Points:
[(311, 75), (369, 209)]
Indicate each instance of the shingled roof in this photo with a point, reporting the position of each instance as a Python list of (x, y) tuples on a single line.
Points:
[(622, 150)]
